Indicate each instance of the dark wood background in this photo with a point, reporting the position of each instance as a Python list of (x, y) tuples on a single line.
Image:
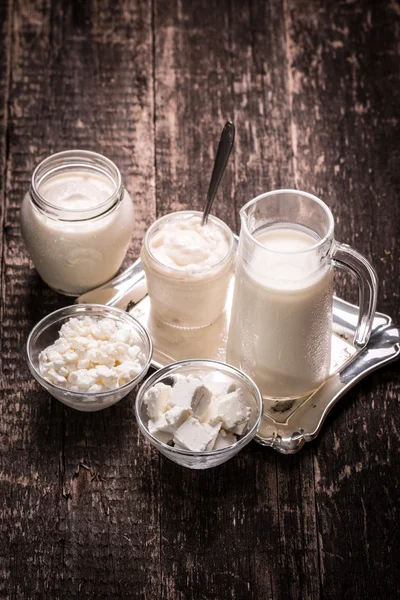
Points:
[(88, 509)]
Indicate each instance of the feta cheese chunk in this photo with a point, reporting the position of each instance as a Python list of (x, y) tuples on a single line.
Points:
[(175, 416), (191, 394), (224, 440), (157, 399), (220, 388), (169, 421), (240, 428), (158, 425), (214, 431), (162, 436), (202, 400), (231, 409), (192, 435)]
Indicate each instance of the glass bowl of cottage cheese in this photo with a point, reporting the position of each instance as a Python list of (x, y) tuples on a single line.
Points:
[(199, 413), (89, 356)]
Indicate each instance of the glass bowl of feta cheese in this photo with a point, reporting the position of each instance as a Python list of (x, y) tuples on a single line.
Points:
[(199, 413), (89, 356)]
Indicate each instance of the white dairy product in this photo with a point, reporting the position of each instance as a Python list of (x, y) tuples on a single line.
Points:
[(77, 230), (157, 399), (77, 190), (224, 440), (192, 435), (192, 417), (220, 388), (191, 394), (186, 245), (230, 409), (188, 268), (158, 425), (89, 355), (169, 421), (239, 428), (280, 332), (213, 430)]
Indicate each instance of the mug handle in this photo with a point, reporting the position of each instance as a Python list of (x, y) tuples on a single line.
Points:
[(353, 262)]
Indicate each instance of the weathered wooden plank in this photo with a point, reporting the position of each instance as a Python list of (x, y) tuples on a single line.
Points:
[(78, 495), (312, 89), (5, 61), (193, 101), (205, 529), (345, 97), (286, 554), (6, 18)]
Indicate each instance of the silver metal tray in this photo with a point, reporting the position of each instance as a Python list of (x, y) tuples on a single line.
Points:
[(286, 425)]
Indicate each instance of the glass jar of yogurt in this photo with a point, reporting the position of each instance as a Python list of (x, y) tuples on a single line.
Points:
[(76, 221), (188, 268)]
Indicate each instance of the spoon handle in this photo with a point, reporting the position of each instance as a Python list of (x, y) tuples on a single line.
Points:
[(223, 152)]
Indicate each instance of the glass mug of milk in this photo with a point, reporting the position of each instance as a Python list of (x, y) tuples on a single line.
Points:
[(281, 326)]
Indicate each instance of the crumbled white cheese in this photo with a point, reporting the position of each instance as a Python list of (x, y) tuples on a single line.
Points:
[(93, 355), (197, 414)]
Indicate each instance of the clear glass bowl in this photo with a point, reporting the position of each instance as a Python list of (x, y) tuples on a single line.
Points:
[(46, 332), (220, 372)]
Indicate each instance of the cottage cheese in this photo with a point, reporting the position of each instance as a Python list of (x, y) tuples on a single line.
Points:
[(93, 355), (197, 414)]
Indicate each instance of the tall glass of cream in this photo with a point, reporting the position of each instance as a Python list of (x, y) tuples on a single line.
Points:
[(281, 326), (76, 221), (188, 268)]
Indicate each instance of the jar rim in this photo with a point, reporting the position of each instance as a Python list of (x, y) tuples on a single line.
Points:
[(325, 240), (70, 159)]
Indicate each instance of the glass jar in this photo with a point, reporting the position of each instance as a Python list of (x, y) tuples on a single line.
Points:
[(189, 298), (76, 221)]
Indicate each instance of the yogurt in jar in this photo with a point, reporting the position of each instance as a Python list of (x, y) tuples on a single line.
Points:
[(188, 268), (76, 221)]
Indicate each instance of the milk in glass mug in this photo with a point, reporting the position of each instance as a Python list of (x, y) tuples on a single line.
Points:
[(281, 327)]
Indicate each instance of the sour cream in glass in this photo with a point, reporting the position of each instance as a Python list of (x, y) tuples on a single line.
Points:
[(188, 268)]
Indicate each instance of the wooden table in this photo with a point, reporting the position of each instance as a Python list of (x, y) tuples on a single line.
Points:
[(88, 509)]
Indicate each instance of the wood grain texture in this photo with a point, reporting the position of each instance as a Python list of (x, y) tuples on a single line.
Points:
[(81, 76), (87, 508), (264, 160), (344, 93)]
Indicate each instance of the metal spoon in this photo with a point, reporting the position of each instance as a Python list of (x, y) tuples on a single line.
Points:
[(221, 159)]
